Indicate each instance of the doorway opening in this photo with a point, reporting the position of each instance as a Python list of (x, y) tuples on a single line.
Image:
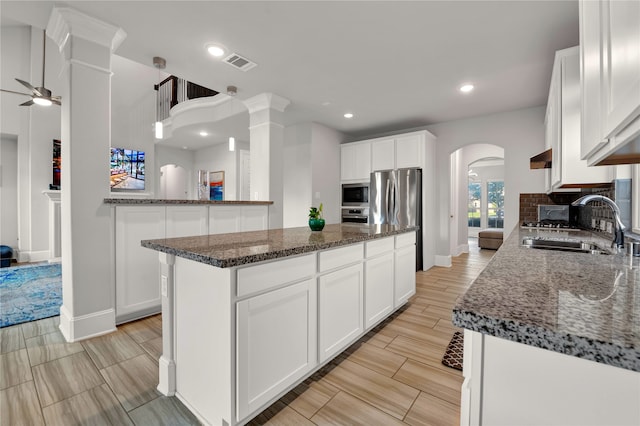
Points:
[(486, 195)]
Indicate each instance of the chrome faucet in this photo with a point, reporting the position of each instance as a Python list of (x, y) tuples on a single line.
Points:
[(619, 228)]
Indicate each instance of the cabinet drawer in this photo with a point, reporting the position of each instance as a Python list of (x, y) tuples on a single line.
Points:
[(405, 239), (376, 247), (335, 258), (268, 275)]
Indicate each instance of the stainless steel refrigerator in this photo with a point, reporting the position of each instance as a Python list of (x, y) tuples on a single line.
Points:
[(395, 198)]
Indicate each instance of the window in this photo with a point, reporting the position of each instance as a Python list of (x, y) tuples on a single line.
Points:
[(474, 207), (495, 204)]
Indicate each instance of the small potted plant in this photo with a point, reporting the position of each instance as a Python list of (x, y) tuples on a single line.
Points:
[(316, 222)]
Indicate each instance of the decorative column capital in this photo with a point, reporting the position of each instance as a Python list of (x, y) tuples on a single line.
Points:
[(65, 22), (266, 101)]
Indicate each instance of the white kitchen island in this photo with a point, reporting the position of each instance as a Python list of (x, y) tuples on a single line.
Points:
[(247, 316)]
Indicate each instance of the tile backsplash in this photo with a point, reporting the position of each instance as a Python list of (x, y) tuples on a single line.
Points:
[(529, 203), (594, 213)]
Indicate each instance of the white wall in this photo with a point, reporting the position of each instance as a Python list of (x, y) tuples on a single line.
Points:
[(35, 127), (311, 173), (180, 157), (15, 45), (325, 156), (9, 191), (219, 158), (297, 175), (520, 133)]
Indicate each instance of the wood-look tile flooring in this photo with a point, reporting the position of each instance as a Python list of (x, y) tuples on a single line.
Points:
[(392, 376)]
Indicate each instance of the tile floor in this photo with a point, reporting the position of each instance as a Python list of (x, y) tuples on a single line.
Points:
[(392, 376)]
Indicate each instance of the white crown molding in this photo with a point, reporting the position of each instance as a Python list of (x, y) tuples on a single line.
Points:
[(266, 101), (65, 22)]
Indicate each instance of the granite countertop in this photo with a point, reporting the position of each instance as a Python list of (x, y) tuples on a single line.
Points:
[(583, 305), (127, 201), (241, 248)]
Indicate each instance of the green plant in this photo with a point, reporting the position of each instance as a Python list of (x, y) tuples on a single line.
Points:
[(315, 212)]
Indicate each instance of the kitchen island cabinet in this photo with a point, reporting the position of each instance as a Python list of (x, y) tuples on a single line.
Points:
[(247, 316), (552, 337), (136, 270)]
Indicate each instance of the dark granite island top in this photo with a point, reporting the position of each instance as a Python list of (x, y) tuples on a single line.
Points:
[(241, 248), (138, 201), (576, 304)]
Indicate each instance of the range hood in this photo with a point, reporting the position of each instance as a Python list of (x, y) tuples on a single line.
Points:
[(541, 161)]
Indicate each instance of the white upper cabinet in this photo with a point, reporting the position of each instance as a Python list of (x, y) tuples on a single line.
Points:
[(388, 153), (410, 151), (383, 154), (621, 38), (610, 75), (355, 162), (563, 127)]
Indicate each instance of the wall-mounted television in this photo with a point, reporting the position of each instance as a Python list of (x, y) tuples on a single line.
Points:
[(127, 170)]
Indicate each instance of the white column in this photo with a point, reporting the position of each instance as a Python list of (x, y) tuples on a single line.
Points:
[(266, 151), (55, 234), (88, 286), (167, 361)]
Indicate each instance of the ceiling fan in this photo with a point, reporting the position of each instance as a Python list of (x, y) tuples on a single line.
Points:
[(39, 95)]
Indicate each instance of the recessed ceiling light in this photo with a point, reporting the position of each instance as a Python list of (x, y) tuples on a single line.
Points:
[(203, 133), (466, 88), (348, 115), (215, 50), (184, 147)]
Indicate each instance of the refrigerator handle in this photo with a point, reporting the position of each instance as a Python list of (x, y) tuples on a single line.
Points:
[(394, 205)]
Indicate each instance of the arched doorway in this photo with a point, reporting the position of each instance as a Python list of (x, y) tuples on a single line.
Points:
[(486, 161)]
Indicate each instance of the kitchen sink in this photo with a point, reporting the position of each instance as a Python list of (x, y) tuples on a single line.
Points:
[(563, 245)]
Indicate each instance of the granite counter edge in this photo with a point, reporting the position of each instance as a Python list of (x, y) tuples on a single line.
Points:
[(155, 201), (568, 344), (261, 257)]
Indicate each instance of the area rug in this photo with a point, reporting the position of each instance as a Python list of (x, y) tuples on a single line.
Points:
[(453, 354), (29, 293)]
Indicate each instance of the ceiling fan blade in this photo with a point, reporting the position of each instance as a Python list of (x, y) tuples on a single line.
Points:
[(56, 101), (28, 103), (57, 98), (17, 93), (28, 86)]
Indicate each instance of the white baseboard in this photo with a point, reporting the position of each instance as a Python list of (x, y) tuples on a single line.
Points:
[(84, 327), (33, 256), (462, 248), (443, 261)]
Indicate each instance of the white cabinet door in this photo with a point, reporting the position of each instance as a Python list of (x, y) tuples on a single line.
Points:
[(254, 218), (592, 135), (378, 291), (383, 155), (409, 151), (340, 310), (224, 219), (276, 343), (355, 161), (186, 221), (621, 63), (405, 275), (137, 268)]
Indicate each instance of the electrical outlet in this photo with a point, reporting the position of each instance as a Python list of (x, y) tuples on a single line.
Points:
[(317, 195), (164, 286)]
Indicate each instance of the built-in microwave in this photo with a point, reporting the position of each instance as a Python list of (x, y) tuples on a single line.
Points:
[(355, 194)]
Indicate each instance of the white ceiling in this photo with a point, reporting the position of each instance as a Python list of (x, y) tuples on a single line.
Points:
[(395, 65)]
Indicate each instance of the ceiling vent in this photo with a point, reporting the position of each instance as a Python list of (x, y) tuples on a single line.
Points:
[(239, 62)]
